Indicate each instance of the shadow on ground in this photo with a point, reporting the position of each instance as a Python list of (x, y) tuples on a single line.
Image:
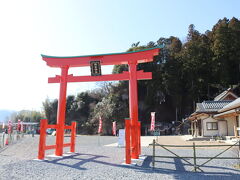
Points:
[(78, 160)]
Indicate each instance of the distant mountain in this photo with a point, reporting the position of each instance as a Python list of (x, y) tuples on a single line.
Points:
[(4, 114)]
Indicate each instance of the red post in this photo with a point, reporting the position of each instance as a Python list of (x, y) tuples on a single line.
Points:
[(133, 107), (42, 139), (73, 136), (139, 141), (61, 111), (127, 141)]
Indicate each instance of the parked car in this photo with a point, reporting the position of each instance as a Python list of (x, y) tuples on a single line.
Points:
[(50, 131)]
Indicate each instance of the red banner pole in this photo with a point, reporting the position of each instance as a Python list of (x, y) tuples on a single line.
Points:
[(61, 111), (127, 141), (73, 137), (133, 107), (42, 139)]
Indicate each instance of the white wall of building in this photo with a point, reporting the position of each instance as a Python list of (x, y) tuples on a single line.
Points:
[(209, 132), (222, 128), (230, 121), (230, 127)]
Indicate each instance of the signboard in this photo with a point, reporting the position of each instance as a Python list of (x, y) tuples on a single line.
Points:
[(121, 138), (95, 68), (156, 133)]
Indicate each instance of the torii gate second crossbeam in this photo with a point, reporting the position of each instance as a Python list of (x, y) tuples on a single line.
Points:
[(130, 58)]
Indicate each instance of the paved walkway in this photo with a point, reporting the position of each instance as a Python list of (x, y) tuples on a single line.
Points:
[(145, 141)]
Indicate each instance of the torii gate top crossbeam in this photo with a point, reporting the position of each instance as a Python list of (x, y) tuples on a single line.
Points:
[(141, 56)]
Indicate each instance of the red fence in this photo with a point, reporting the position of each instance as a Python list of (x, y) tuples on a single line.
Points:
[(42, 141)]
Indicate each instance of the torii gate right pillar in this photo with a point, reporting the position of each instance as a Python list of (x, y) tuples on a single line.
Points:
[(133, 108)]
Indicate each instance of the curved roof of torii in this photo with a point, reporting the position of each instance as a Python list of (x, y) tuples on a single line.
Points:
[(141, 56)]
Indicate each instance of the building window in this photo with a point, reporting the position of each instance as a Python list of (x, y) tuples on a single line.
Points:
[(212, 126)]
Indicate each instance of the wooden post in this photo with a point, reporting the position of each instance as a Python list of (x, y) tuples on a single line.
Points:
[(127, 141), (73, 137), (195, 129), (235, 130), (194, 157), (238, 127), (42, 139), (238, 149), (153, 157), (192, 128)]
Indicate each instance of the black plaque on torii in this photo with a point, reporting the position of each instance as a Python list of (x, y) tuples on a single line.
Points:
[(95, 68)]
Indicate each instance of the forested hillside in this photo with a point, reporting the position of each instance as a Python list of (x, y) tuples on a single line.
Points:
[(184, 73)]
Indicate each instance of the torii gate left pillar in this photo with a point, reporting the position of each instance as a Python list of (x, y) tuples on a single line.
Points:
[(130, 58)]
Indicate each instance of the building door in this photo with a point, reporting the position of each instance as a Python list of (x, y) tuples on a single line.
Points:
[(199, 125), (222, 128)]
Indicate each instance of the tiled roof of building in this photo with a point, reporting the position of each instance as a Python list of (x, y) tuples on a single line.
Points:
[(211, 106), (224, 94), (232, 105)]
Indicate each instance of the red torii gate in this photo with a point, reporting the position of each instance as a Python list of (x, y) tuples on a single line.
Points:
[(130, 58)]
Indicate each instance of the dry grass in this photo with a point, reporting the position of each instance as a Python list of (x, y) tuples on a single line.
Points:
[(179, 140), (237, 166)]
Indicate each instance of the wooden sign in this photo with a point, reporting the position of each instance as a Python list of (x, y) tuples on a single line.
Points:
[(121, 138)]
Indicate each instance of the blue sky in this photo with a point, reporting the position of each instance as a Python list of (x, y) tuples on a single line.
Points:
[(76, 27), (103, 26)]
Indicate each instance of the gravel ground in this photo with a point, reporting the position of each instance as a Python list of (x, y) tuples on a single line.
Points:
[(93, 160)]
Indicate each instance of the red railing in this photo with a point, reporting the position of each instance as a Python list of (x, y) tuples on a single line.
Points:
[(42, 140)]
